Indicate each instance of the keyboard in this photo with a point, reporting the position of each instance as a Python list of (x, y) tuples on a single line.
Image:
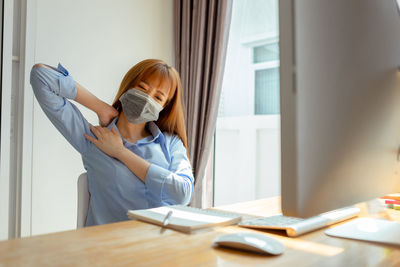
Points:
[(275, 221), (297, 226)]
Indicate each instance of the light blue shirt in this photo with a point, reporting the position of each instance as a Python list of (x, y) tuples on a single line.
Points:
[(113, 188)]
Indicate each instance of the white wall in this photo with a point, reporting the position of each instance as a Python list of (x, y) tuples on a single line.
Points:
[(97, 41), (247, 158)]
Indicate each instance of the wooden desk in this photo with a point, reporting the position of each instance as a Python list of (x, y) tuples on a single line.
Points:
[(135, 243)]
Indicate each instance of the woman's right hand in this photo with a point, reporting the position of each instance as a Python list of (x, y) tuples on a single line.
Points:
[(106, 114)]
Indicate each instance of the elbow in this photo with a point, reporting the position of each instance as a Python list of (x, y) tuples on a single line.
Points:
[(38, 65), (35, 71), (184, 195), (35, 75)]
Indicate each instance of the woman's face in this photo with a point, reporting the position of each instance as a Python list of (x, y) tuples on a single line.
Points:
[(159, 91)]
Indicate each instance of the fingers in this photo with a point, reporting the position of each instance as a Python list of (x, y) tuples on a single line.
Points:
[(92, 128), (115, 112), (91, 139), (96, 130), (102, 132)]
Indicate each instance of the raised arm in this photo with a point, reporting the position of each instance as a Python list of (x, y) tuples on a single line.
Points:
[(53, 87), (104, 111)]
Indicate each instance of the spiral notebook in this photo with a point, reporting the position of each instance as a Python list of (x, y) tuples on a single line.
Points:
[(184, 218)]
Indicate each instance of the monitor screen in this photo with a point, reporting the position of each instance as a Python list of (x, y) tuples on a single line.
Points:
[(340, 103)]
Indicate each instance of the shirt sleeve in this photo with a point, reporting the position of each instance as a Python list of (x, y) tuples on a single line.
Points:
[(52, 89), (174, 185)]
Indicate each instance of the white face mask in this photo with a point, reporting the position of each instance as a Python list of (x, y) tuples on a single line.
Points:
[(139, 107)]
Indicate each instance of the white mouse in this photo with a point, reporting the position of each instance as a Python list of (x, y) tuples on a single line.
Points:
[(252, 242)]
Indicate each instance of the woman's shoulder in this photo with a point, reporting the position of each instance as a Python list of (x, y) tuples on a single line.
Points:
[(172, 139)]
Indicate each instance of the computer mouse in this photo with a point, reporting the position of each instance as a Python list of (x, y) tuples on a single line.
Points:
[(251, 242)]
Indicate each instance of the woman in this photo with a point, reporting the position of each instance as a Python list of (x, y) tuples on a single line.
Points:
[(139, 160)]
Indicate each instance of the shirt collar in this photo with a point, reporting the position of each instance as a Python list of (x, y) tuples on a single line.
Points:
[(150, 126), (153, 129)]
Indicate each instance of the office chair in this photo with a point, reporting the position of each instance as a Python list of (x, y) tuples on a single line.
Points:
[(83, 200)]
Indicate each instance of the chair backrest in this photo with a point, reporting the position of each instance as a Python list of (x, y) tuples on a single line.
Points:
[(83, 200)]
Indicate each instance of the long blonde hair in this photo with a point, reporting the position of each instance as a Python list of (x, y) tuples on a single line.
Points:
[(171, 118)]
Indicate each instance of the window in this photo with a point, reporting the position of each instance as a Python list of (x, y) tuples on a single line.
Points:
[(266, 53), (266, 66), (247, 137), (267, 92)]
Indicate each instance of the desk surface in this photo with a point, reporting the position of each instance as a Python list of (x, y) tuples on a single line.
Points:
[(137, 243)]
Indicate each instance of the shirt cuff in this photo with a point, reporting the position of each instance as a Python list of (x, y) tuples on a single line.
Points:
[(155, 179), (67, 84)]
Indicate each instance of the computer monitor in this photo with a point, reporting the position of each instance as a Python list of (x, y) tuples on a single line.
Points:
[(340, 103)]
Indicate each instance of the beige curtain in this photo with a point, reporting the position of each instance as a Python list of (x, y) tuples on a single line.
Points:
[(201, 37)]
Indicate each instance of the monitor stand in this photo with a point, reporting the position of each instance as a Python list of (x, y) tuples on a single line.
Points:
[(368, 229)]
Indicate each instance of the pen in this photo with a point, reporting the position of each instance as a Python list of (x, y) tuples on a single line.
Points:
[(165, 222)]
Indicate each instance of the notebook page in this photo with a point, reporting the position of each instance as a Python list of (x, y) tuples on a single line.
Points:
[(185, 217)]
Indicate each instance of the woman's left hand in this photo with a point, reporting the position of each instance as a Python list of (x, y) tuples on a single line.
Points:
[(107, 141)]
